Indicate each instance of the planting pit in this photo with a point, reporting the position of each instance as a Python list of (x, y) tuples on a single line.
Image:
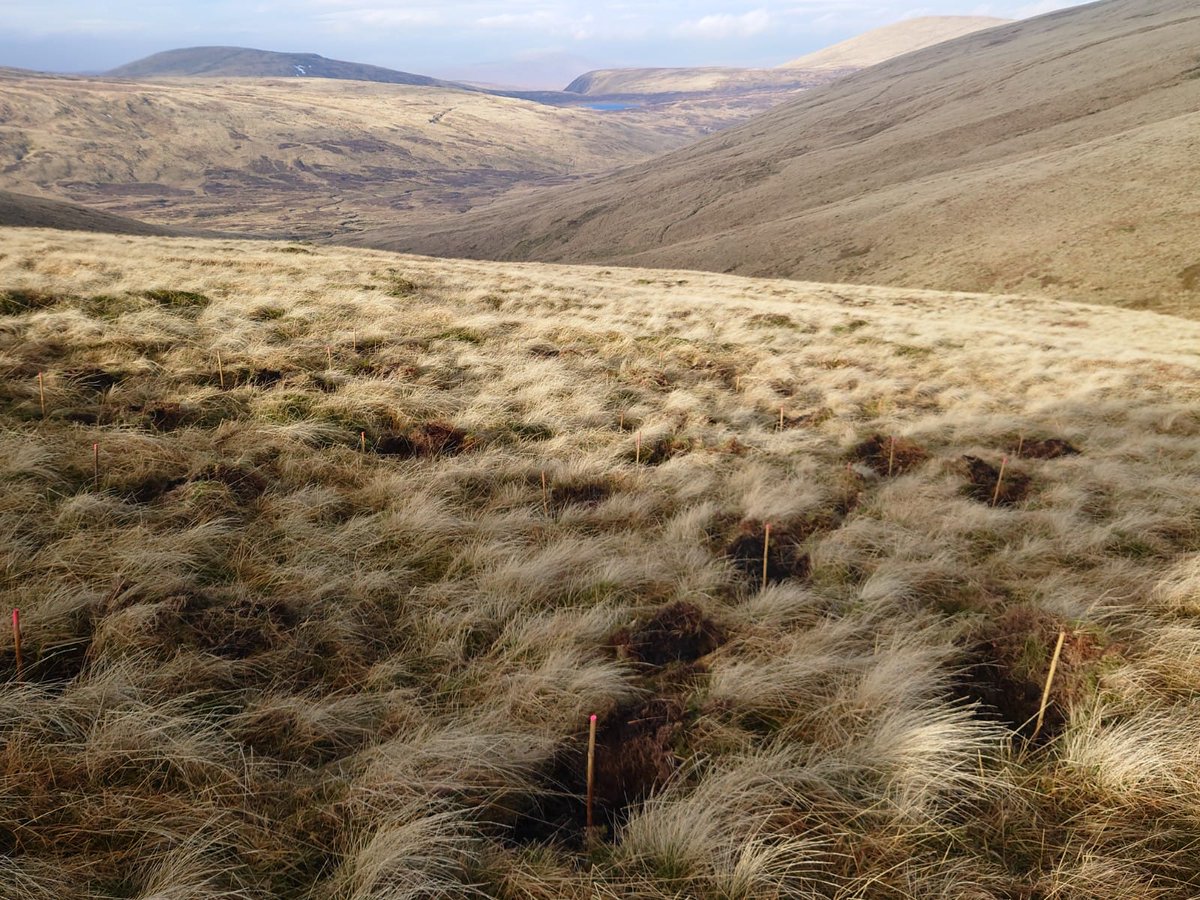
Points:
[(679, 632), (1048, 448), (886, 458), (588, 494), (635, 756), (1008, 662), (983, 477), (785, 558), (428, 439), (658, 451), (167, 416)]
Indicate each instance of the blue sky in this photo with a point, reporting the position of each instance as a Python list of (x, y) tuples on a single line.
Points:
[(453, 37)]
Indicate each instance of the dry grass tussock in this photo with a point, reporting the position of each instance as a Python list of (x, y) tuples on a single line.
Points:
[(365, 538)]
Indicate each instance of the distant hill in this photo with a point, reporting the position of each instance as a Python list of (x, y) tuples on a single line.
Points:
[(243, 62), (806, 72), (23, 211), (698, 80), (894, 40), (1055, 154)]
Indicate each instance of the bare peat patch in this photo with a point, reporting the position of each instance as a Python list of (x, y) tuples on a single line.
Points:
[(1008, 664), (985, 484), (1046, 448), (428, 439), (679, 632), (782, 551), (889, 456)]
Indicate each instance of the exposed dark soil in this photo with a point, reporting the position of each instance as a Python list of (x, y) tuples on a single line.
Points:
[(658, 451), (1047, 448), (428, 439), (983, 478), (96, 380), (245, 482), (679, 632), (635, 755), (889, 456), (785, 558), (586, 493), (167, 416), (1009, 659), (153, 487)]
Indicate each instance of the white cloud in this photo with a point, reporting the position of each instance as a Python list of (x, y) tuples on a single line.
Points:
[(724, 25)]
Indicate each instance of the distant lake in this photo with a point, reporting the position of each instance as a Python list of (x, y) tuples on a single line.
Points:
[(610, 107)]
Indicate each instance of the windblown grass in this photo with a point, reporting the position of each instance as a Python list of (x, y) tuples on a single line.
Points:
[(260, 662)]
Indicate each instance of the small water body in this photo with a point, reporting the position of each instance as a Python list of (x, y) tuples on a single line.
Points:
[(611, 107)]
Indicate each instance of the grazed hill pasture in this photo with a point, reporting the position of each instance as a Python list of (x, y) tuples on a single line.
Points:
[(300, 156), (1055, 155), (325, 556)]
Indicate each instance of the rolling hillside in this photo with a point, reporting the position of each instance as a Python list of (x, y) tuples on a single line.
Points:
[(245, 62), (23, 211), (894, 40), (303, 156), (817, 68), (1056, 154)]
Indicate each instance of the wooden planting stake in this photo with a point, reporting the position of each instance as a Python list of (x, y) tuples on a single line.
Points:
[(42, 393), (781, 418), (766, 549), (891, 455), (220, 370), (1020, 444), (591, 769), (1062, 636), (999, 481), (637, 458), (621, 421), (96, 464), (737, 384), (16, 626), (545, 495)]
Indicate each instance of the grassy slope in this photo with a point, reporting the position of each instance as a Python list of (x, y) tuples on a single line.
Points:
[(1055, 155), (260, 662), (23, 211), (884, 43), (301, 156), (864, 50)]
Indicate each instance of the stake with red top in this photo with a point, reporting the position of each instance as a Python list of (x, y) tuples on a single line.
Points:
[(591, 769), (16, 627)]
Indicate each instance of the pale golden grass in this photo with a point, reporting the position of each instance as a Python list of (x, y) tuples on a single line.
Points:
[(262, 663)]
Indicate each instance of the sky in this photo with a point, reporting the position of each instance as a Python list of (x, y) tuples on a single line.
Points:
[(515, 41)]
